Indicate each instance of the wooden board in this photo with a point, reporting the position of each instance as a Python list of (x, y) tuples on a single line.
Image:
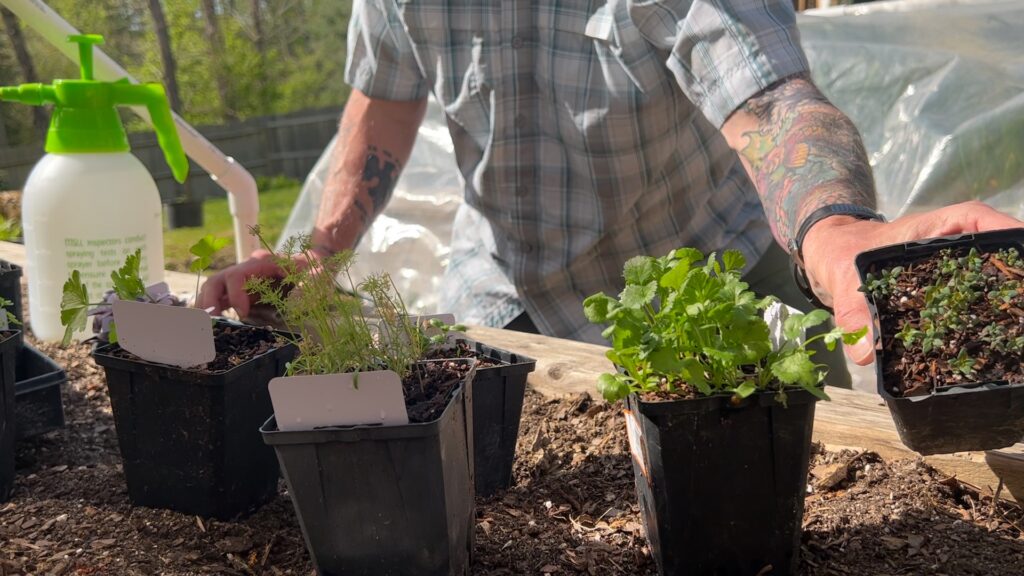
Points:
[(852, 419)]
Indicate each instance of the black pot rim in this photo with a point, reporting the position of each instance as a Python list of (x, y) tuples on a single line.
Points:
[(101, 355), (330, 434), (722, 402)]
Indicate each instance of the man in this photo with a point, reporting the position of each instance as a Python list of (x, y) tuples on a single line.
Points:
[(588, 133)]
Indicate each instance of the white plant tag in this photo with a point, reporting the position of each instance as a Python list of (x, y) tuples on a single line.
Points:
[(775, 316), (173, 335), (309, 402)]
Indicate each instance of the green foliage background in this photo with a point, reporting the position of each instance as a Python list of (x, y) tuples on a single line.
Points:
[(301, 65)]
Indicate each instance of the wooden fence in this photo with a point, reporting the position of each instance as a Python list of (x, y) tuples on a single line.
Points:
[(287, 145)]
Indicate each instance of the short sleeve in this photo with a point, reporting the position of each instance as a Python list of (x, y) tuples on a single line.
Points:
[(723, 52), (381, 61)]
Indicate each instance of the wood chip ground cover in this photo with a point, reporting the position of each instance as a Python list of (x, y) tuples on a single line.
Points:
[(572, 509)]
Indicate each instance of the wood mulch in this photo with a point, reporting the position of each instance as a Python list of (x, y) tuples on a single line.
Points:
[(572, 509)]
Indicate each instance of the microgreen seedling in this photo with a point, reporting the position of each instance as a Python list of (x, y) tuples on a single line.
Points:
[(682, 324), (204, 251)]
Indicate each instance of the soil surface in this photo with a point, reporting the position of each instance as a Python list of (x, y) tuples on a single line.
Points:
[(571, 510), (980, 322), (430, 386), (235, 345)]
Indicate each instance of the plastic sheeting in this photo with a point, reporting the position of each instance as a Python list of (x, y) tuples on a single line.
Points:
[(937, 91), (936, 88)]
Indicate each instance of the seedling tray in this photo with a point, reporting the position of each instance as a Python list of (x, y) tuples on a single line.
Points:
[(37, 391), (978, 416), (190, 441), (498, 393), (394, 500), (8, 353), (10, 289)]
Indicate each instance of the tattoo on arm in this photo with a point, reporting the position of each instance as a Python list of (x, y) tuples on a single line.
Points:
[(379, 176), (804, 154)]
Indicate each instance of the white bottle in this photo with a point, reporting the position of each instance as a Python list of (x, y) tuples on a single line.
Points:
[(86, 212), (88, 202)]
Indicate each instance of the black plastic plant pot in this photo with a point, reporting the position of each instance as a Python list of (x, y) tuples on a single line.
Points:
[(721, 487), (979, 416), (498, 393), (376, 500), (189, 441), (184, 214), (8, 355), (10, 287), (37, 393)]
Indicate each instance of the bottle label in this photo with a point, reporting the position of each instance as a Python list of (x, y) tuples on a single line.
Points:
[(94, 258)]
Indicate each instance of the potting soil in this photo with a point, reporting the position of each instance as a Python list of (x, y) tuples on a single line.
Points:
[(571, 510), (429, 387)]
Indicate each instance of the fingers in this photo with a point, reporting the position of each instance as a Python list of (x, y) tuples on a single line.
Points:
[(226, 289)]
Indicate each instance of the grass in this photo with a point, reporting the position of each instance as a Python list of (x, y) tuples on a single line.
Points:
[(275, 206)]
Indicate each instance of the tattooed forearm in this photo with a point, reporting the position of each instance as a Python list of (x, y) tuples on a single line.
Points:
[(802, 153), (379, 175)]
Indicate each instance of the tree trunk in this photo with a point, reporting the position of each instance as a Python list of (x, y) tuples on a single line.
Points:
[(166, 55), (260, 41), (40, 119), (217, 52)]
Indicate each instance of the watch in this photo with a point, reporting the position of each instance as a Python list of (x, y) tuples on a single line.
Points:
[(797, 243)]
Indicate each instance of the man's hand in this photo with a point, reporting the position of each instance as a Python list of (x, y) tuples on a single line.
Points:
[(831, 246), (226, 289)]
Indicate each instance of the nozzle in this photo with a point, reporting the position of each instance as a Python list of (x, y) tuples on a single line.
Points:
[(35, 94), (85, 43)]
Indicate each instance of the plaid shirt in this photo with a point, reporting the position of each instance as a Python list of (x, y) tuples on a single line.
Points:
[(586, 133)]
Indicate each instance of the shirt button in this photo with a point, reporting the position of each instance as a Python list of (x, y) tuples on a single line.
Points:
[(527, 248), (517, 42)]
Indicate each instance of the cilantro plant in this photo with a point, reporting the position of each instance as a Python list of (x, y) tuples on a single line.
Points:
[(684, 325), (338, 334)]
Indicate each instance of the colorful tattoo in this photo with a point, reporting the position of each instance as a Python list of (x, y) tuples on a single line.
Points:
[(805, 154)]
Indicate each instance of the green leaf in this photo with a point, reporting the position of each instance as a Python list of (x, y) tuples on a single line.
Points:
[(796, 368), (695, 375), (612, 386), (638, 296), (640, 270), (745, 389), (595, 308), (128, 284), (112, 336), (733, 260), (685, 258), (850, 338), (204, 250), (666, 361), (74, 306), (796, 325)]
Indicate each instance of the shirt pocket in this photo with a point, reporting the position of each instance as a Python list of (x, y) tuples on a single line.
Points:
[(618, 41), (451, 46)]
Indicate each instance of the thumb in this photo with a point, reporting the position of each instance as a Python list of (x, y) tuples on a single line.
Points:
[(852, 314)]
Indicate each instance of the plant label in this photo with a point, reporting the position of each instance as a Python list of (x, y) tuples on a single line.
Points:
[(636, 443), (173, 335), (325, 400)]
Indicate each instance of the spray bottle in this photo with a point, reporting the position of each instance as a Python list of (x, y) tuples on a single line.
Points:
[(88, 202)]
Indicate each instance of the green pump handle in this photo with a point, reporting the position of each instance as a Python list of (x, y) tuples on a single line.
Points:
[(153, 97), (100, 129)]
